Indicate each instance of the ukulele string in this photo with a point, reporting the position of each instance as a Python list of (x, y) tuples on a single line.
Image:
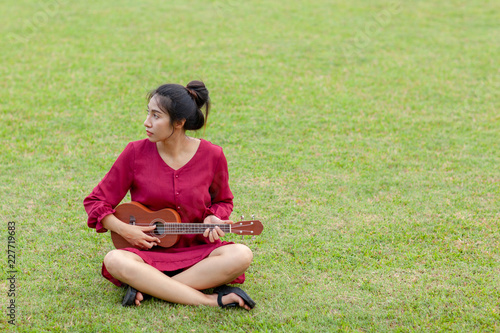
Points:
[(175, 228)]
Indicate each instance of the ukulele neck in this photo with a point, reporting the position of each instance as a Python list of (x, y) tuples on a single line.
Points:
[(190, 228)]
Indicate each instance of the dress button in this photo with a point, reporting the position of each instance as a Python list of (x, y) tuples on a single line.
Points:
[(179, 207), (176, 176), (177, 193)]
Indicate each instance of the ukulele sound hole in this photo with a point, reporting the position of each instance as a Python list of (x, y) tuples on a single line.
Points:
[(160, 228)]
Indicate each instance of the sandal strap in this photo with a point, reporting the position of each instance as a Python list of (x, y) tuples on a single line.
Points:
[(225, 290), (219, 300)]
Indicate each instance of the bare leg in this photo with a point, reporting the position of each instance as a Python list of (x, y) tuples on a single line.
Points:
[(223, 265)]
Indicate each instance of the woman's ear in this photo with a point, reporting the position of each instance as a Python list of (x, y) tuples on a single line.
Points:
[(179, 123)]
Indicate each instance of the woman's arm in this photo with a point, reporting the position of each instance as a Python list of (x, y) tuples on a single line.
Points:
[(110, 190), (220, 193), (222, 201)]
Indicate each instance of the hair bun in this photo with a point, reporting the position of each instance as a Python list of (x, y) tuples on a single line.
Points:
[(199, 92)]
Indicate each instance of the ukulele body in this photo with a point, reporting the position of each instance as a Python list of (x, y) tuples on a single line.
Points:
[(136, 214)]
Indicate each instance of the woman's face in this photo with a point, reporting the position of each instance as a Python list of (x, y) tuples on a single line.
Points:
[(158, 125)]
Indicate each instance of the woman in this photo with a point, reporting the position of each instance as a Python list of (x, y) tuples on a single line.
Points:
[(173, 170)]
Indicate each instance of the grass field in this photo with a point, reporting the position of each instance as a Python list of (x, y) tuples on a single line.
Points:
[(364, 134)]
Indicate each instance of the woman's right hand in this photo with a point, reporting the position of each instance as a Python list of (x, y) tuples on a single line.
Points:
[(133, 234), (137, 236)]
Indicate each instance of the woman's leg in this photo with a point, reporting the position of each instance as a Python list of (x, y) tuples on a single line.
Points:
[(182, 288), (222, 266), (129, 268)]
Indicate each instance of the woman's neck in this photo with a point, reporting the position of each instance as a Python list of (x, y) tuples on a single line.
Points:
[(175, 145), (177, 151)]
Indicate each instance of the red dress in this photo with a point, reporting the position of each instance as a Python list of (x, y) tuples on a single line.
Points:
[(196, 190)]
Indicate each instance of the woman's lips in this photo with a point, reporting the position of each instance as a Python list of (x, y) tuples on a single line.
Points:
[(149, 133)]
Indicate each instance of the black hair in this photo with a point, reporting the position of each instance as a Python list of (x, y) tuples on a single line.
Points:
[(181, 102)]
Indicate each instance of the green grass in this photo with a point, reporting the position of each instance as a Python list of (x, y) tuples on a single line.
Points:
[(365, 135)]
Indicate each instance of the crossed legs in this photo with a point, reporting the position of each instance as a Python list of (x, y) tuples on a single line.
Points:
[(222, 266)]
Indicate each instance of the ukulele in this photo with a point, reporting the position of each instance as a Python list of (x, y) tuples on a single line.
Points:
[(169, 227)]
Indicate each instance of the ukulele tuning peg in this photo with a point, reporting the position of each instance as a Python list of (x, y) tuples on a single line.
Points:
[(242, 217), (253, 237), (253, 217)]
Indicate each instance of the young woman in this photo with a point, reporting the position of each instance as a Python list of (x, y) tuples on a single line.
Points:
[(172, 170)]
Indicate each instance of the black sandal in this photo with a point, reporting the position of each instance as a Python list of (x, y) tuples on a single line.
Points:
[(129, 298), (224, 290)]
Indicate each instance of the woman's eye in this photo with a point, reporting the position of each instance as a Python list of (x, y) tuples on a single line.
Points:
[(156, 116)]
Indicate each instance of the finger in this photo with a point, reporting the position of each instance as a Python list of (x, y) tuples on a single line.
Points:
[(147, 245), (153, 239), (206, 232), (211, 237), (220, 232), (215, 232), (148, 228), (228, 221), (148, 242)]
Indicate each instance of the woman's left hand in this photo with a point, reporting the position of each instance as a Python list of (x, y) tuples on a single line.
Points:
[(215, 233)]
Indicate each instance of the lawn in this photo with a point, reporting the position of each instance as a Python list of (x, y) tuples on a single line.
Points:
[(363, 134)]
